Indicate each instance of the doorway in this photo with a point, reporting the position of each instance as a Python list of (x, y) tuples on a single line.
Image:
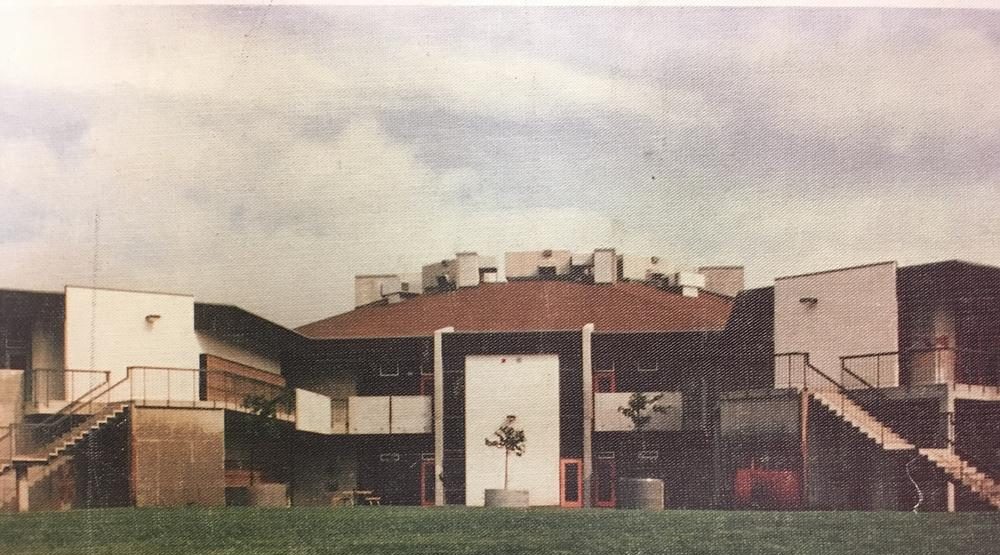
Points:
[(571, 483), (427, 483), (604, 479)]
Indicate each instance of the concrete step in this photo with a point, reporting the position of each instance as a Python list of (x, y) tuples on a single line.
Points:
[(862, 421)]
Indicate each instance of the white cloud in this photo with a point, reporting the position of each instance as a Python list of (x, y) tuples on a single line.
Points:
[(196, 165), (943, 85)]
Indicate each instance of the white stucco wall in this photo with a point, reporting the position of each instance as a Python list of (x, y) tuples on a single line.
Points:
[(526, 386), (525, 264), (411, 414), (210, 345), (607, 417), (368, 415), (312, 412), (107, 330), (855, 313)]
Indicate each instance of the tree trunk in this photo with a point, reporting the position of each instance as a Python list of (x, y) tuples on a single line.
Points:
[(506, 465)]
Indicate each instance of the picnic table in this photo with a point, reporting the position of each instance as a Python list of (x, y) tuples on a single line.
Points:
[(352, 496)]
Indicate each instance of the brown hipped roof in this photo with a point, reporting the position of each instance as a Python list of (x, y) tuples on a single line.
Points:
[(531, 306)]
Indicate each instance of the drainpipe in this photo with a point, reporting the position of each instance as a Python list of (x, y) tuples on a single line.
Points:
[(587, 365), (439, 414)]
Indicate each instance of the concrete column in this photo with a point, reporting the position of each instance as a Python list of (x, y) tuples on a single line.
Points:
[(21, 485), (439, 414), (949, 407), (587, 366)]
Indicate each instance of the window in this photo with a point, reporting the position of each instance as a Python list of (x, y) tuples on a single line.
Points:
[(388, 369), (646, 365), (604, 382), (649, 455), (547, 271)]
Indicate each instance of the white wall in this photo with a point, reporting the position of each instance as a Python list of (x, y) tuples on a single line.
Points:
[(526, 386), (638, 268), (368, 415), (411, 414), (312, 412), (214, 346), (107, 330), (607, 417), (855, 313), (525, 264)]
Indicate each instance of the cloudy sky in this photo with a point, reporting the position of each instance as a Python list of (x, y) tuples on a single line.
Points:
[(263, 156)]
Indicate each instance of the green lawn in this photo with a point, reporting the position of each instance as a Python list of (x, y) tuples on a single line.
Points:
[(460, 530)]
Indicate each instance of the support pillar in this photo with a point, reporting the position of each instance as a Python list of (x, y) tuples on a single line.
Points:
[(439, 414), (21, 485), (804, 445), (949, 406), (587, 367)]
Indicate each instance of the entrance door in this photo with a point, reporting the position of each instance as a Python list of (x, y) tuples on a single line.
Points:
[(426, 483), (571, 483), (604, 476)]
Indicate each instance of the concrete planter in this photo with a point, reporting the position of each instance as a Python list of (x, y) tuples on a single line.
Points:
[(268, 495), (510, 498), (640, 493)]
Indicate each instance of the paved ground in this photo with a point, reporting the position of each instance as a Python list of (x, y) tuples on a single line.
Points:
[(460, 530)]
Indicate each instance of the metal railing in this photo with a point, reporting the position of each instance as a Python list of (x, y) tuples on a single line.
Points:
[(797, 364), (172, 387), (234, 390), (46, 386), (870, 371), (925, 366)]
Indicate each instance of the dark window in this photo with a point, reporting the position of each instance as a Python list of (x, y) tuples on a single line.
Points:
[(604, 382)]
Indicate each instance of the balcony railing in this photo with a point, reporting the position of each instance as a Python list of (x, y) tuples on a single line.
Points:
[(925, 366), (607, 417), (382, 414), (49, 387), (171, 387)]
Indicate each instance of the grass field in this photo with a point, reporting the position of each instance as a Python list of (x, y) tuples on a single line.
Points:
[(460, 530)]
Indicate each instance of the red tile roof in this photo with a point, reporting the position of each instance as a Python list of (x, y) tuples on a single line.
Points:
[(531, 306)]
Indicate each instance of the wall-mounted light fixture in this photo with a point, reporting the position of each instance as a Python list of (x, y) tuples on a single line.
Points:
[(809, 301), (152, 318)]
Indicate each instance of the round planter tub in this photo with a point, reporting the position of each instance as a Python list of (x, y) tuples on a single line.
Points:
[(640, 493), (510, 498)]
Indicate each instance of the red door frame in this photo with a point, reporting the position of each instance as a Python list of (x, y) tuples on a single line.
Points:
[(426, 473), (427, 384), (563, 463), (604, 381), (612, 477)]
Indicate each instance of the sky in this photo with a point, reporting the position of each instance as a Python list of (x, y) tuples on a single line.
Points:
[(263, 156)]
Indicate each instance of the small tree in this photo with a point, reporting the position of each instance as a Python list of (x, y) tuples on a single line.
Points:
[(640, 411), (511, 440), (263, 423)]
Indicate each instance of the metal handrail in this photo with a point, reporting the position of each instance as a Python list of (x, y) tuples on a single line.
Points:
[(841, 388), (938, 362), (73, 407), (36, 377)]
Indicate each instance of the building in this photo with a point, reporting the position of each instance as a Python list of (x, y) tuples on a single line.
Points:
[(828, 390)]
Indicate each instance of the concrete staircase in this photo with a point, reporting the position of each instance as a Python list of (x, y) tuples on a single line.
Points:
[(50, 457), (861, 420), (80, 432), (962, 472), (956, 468)]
